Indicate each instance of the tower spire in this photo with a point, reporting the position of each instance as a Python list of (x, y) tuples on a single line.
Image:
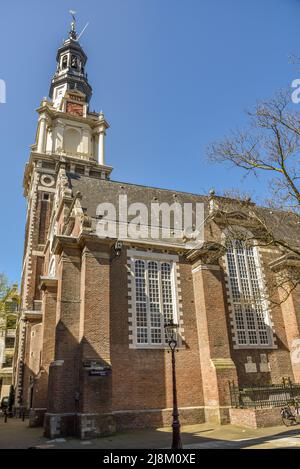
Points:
[(73, 33), (70, 71)]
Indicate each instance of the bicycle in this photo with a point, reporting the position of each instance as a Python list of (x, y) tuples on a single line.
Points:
[(290, 414)]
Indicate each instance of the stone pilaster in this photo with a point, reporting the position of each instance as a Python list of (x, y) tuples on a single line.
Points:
[(64, 369), (96, 374), (291, 319), (217, 367), (49, 298), (287, 267), (290, 307)]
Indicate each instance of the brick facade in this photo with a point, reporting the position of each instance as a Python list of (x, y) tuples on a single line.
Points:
[(86, 375), (86, 320), (86, 323)]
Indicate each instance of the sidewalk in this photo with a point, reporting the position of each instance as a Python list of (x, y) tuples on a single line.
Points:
[(16, 434)]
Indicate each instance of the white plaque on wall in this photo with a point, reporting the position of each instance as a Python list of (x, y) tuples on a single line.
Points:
[(250, 367), (264, 365)]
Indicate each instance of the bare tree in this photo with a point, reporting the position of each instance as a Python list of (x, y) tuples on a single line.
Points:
[(270, 144)]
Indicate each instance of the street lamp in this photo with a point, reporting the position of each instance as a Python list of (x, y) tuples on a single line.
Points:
[(171, 333)]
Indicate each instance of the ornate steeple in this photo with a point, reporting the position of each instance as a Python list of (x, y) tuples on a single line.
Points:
[(72, 33), (70, 72), (67, 130)]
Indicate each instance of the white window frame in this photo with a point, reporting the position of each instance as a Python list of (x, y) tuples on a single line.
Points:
[(264, 304), (145, 256)]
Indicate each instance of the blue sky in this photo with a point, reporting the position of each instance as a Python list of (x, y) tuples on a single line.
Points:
[(170, 75)]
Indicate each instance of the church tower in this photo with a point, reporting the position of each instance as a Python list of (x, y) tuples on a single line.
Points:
[(70, 139), (70, 73), (66, 126)]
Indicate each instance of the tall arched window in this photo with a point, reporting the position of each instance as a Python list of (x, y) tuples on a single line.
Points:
[(249, 307), (64, 63), (154, 300), (74, 61)]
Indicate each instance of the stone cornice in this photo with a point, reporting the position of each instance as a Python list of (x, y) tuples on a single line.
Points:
[(160, 244), (209, 253), (101, 124), (87, 239), (48, 282), (45, 110), (53, 113), (61, 242), (31, 315), (60, 158), (92, 164), (284, 262)]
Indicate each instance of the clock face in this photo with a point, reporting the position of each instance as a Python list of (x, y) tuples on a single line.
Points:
[(75, 109)]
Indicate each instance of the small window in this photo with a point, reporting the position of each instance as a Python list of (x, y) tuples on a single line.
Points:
[(64, 63), (46, 196), (74, 61), (9, 342)]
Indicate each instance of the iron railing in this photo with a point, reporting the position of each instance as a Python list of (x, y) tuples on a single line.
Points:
[(259, 397)]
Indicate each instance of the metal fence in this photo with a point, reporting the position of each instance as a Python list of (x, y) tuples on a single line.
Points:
[(259, 397)]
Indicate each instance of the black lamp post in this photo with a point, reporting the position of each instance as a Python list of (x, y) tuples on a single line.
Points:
[(171, 332)]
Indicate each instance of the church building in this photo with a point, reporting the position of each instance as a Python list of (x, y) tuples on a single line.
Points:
[(92, 350)]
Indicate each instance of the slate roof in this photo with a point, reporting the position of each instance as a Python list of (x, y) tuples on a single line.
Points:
[(94, 191), (284, 226)]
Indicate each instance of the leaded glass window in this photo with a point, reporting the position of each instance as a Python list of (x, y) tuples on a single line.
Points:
[(154, 301), (250, 311)]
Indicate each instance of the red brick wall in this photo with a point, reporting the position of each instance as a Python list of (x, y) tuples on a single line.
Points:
[(256, 418), (64, 375), (47, 345), (141, 379), (95, 335)]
